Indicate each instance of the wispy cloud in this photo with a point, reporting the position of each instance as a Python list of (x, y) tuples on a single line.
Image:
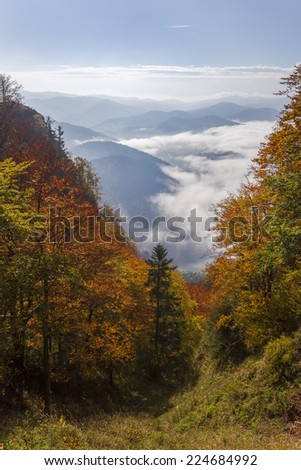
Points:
[(170, 70), (158, 81), (181, 26)]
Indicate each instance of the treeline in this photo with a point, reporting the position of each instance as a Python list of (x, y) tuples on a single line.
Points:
[(254, 305), (255, 282), (80, 310)]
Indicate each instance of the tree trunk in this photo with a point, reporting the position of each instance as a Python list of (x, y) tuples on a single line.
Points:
[(46, 372), (46, 337), (157, 324)]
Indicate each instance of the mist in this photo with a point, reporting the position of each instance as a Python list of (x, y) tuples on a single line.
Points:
[(208, 166)]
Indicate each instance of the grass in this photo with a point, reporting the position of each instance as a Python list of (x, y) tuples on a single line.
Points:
[(125, 431), (233, 409)]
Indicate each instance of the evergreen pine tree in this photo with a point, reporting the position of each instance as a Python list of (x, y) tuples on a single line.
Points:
[(167, 306)]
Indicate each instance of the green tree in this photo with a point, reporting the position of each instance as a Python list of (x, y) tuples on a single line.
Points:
[(15, 293), (257, 275), (167, 306)]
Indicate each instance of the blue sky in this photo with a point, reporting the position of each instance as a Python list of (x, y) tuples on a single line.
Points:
[(40, 36)]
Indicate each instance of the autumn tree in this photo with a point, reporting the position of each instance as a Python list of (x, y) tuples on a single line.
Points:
[(77, 303), (256, 279), (15, 268)]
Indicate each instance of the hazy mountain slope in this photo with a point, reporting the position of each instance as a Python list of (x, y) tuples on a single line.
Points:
[(160, 123), (74, 135), (228, 110), (123, 118), (129, 183), (173, 122), (95, 149), (81, 110), (223, 110), (129, 177), (176, 125), (138, 122), (252, 114), (102, 109)]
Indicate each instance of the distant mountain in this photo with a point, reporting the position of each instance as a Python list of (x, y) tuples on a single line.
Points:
[(161, 123), (123, 118), (90, 110), (81, 110), (43, 95), (95, 150), (103, 109), (127, 127), (176, 125), (129, 178), (144, 104), (173, 122), (74, 135), (223, 110), (253, 114), (129, 184), (235, 112)]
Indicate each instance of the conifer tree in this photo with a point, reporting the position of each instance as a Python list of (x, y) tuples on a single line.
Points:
[(166, 304)]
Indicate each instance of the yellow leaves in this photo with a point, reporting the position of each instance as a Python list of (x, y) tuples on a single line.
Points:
[(111, 315), (62, 422), (243, 275), (223, 320)]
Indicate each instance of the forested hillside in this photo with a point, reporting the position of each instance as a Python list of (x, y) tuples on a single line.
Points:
[(79, 310), (88, 328)]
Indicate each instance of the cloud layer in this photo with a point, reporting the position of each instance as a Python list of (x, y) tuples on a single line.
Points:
[(243, 140), (158, 81), (208, 166)]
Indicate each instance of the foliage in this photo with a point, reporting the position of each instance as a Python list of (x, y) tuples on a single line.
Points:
[(76, 311), (176, 328), (257, 275)]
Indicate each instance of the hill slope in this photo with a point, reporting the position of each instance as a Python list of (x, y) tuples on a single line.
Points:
[(129, 177), (75, 135)]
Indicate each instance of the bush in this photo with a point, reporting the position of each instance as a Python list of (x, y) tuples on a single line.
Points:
[(279, 361)]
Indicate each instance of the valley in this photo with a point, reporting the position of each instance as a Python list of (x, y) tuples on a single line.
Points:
[(153, 159)]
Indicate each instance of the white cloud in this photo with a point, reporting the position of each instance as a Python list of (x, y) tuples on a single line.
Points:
[(181, 26), (158, 81), (243, 140), (202, 181)]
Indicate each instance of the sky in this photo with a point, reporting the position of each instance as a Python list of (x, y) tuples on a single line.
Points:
[(190, 50), (157, 49)]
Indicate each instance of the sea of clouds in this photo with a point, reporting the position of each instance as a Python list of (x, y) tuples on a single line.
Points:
[(208, 166)]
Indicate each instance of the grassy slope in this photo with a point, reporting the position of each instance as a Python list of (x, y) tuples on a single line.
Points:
[(229, 410)]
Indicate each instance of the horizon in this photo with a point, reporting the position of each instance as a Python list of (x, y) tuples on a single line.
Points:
[(179, 55), (156, 83), (205, 165), (191, 51)]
